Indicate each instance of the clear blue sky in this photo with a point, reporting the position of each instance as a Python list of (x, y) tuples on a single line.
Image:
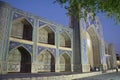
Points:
[(54, 12)]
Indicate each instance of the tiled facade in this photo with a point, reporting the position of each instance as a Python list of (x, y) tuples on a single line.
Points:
[(43, 46)]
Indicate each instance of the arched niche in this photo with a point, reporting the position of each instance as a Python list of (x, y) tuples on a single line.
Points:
[(65, 63), (65, 40), (46, 35), (94, 44), (22, 29), (19, 60), (46, 62)]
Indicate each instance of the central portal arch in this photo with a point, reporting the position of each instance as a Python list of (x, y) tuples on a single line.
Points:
[(19, 60), (90, 50), (93, 48)]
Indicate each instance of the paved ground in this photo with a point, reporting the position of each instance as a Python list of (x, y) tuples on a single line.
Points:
[(107, 76)]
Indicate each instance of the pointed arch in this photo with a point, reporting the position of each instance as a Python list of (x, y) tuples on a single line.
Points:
[(65, 40), (19, 60), (92, 30), (22, 29), (95, 46), (21, 45), (89, 51), (65, 63), (46, 62), (46, 35)]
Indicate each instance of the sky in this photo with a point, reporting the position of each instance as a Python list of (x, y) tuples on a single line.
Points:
[(54, 12)]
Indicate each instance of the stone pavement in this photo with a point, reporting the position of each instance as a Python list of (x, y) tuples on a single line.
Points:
[(109, 75)]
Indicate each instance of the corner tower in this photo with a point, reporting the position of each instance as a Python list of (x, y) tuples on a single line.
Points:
[(5, 11)]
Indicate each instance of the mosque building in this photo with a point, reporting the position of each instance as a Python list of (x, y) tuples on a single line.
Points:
[(31, 44)]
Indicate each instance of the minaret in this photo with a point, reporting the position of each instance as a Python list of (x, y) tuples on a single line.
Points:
[(5, 11)]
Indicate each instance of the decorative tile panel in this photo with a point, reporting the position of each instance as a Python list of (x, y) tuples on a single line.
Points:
[(65, 51), (16, 44), (29, 47), (17, 15), (31, 21), (83, 24), (85, 57), (53, 28), (41, 23), (67, 31), (91, 20), (13, 45), (41, 48), (95, 22)]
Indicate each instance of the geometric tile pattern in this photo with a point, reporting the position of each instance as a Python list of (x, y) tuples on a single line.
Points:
[(91, 21), (53, 28), (52, 50), (41, 23), (31, 21), (66, 31), (65, 51), (17, 15), (16, 44), (14, 67), (85, 51)]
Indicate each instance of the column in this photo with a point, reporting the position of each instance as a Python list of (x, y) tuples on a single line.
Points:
[(57, 42), (35, 48)]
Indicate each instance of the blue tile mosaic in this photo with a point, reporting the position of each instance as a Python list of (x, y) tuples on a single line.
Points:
[(13, 45), (31, 21), (83, 24), (91, 20), (41, 48), (67, 32), (85, 51), (65, 51), (87, 25), (41, 23), (53, 27), (29, 47), (17, 15)]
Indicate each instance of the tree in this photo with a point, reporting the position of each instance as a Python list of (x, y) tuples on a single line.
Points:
[(80, 8)]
